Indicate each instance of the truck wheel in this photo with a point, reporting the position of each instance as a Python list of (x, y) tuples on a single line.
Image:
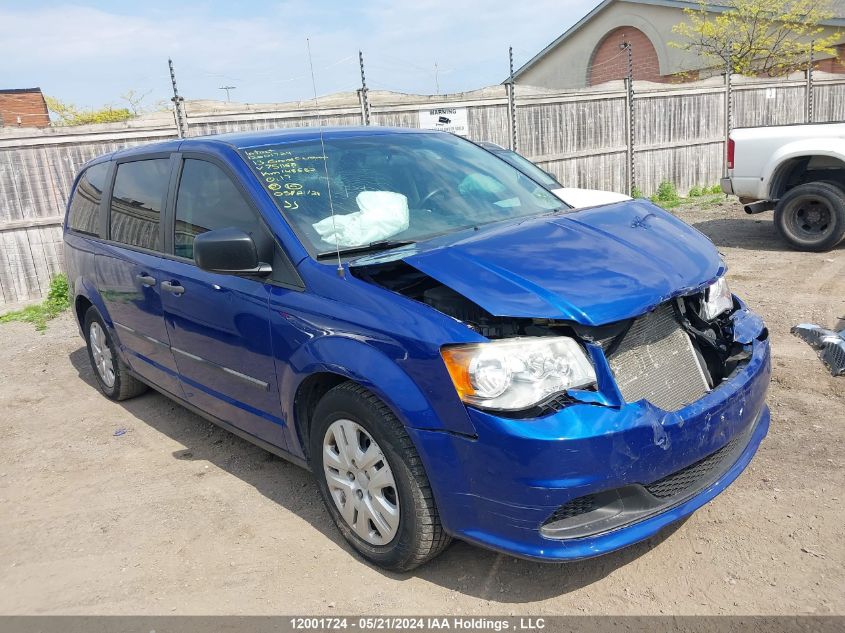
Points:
[(372, 480), (811, 217), (113, 376)]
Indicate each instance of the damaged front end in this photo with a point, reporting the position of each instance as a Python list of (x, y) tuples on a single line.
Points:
[(675, 412), (670, 356)]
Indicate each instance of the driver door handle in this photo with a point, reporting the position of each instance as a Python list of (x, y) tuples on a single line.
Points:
[(173, 287), (146, 280)]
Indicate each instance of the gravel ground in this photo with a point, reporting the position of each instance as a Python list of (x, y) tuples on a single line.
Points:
[(178, 516)]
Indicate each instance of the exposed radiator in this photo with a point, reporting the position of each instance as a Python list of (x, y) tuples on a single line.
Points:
[(656, 361)]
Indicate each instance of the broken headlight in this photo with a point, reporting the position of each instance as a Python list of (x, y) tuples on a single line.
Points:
[(717, 299), (519, 373)]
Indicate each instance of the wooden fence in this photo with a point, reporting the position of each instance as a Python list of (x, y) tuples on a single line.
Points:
[(579, 136)]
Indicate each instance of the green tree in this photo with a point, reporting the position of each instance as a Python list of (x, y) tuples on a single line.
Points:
[(68, 114), (758, 37)]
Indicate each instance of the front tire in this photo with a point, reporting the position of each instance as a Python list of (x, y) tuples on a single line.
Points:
[(372, 480), (811, 217), (112, 375)]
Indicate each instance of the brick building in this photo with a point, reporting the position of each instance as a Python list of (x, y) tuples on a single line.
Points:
[(23, 107), (591, 52)]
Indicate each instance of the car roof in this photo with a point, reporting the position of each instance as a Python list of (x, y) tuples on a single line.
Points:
[(241, 140)]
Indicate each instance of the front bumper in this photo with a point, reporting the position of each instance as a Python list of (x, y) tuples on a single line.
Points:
[(500, 488)]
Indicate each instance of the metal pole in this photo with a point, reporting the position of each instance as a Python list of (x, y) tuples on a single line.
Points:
[(809, 105), (177, 102), (365, 101), (360, 93), (629, 104), (512, 100), (728, 107)]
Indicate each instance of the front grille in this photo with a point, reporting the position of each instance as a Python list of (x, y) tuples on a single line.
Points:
[(690, 477), (573, 508), (553, 405), (656, 361)]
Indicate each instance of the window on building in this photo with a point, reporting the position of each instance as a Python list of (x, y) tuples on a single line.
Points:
[(137, 200), (84, 213)]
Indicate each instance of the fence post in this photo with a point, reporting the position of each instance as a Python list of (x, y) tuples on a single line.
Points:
[(629, 126), (728, 106), (809, 115), (177, 102), (362, 93), (509, 89)]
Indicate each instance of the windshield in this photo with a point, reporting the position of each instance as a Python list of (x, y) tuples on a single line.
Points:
[(527, 167), (392, 188)]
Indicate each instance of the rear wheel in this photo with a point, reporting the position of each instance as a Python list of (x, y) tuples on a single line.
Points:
[(112, 375), (372, 480), (811, 217)]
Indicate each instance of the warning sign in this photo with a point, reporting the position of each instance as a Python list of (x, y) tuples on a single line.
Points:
[(452, 120)]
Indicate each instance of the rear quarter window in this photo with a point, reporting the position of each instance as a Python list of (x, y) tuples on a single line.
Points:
[(137, 201), (84, 211)]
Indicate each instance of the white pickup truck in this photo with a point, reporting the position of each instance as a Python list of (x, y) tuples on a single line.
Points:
[(797, 170)]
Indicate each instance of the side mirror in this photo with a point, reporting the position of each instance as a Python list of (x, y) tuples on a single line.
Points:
[(229, 251)]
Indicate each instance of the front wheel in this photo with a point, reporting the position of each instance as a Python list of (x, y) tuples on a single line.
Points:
[(811, 217), (372, 480)]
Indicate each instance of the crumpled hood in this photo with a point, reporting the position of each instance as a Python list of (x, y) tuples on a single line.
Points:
[(593, 267)]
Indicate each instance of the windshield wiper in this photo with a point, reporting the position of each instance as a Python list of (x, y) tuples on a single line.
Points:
[(367, 248)]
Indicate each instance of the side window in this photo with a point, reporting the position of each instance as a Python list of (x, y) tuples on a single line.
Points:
[(84, 213), (209, 200), (137, 199)]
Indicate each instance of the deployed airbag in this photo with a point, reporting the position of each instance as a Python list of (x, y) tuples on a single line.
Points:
[(382, 215)]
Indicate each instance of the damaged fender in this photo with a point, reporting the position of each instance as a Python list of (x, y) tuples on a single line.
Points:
[(375, 370)]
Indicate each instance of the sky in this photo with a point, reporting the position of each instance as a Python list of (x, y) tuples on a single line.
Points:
[(90, 53)]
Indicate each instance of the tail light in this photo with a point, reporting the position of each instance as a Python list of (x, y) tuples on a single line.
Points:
[(731, 150)]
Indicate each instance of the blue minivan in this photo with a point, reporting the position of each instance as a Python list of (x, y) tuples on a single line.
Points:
[(448, 347)]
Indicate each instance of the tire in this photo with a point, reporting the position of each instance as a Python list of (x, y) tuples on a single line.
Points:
[(419, 537), (112, 374), (811, 217)]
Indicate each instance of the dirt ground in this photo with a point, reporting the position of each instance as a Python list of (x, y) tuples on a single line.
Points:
[(176, 516)]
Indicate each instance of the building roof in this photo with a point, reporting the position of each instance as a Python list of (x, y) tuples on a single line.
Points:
[(717, 6), (16, 91)]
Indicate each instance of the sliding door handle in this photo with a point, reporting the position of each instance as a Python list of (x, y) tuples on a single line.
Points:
[(173, 287)]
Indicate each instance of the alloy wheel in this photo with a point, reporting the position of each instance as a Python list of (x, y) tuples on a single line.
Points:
[(101, 353)]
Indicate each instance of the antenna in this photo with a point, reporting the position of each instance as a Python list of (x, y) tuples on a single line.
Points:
[(340, 272)]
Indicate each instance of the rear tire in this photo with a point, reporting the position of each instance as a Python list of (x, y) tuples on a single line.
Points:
[(407, 531), (112, 375), (811, 217)]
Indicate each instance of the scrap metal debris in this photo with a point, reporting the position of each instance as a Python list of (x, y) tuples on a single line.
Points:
[(830, 344)]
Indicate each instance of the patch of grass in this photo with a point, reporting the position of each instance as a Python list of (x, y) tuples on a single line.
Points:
[(704, 197), (636, 192), (666, 195), (56, 302)]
